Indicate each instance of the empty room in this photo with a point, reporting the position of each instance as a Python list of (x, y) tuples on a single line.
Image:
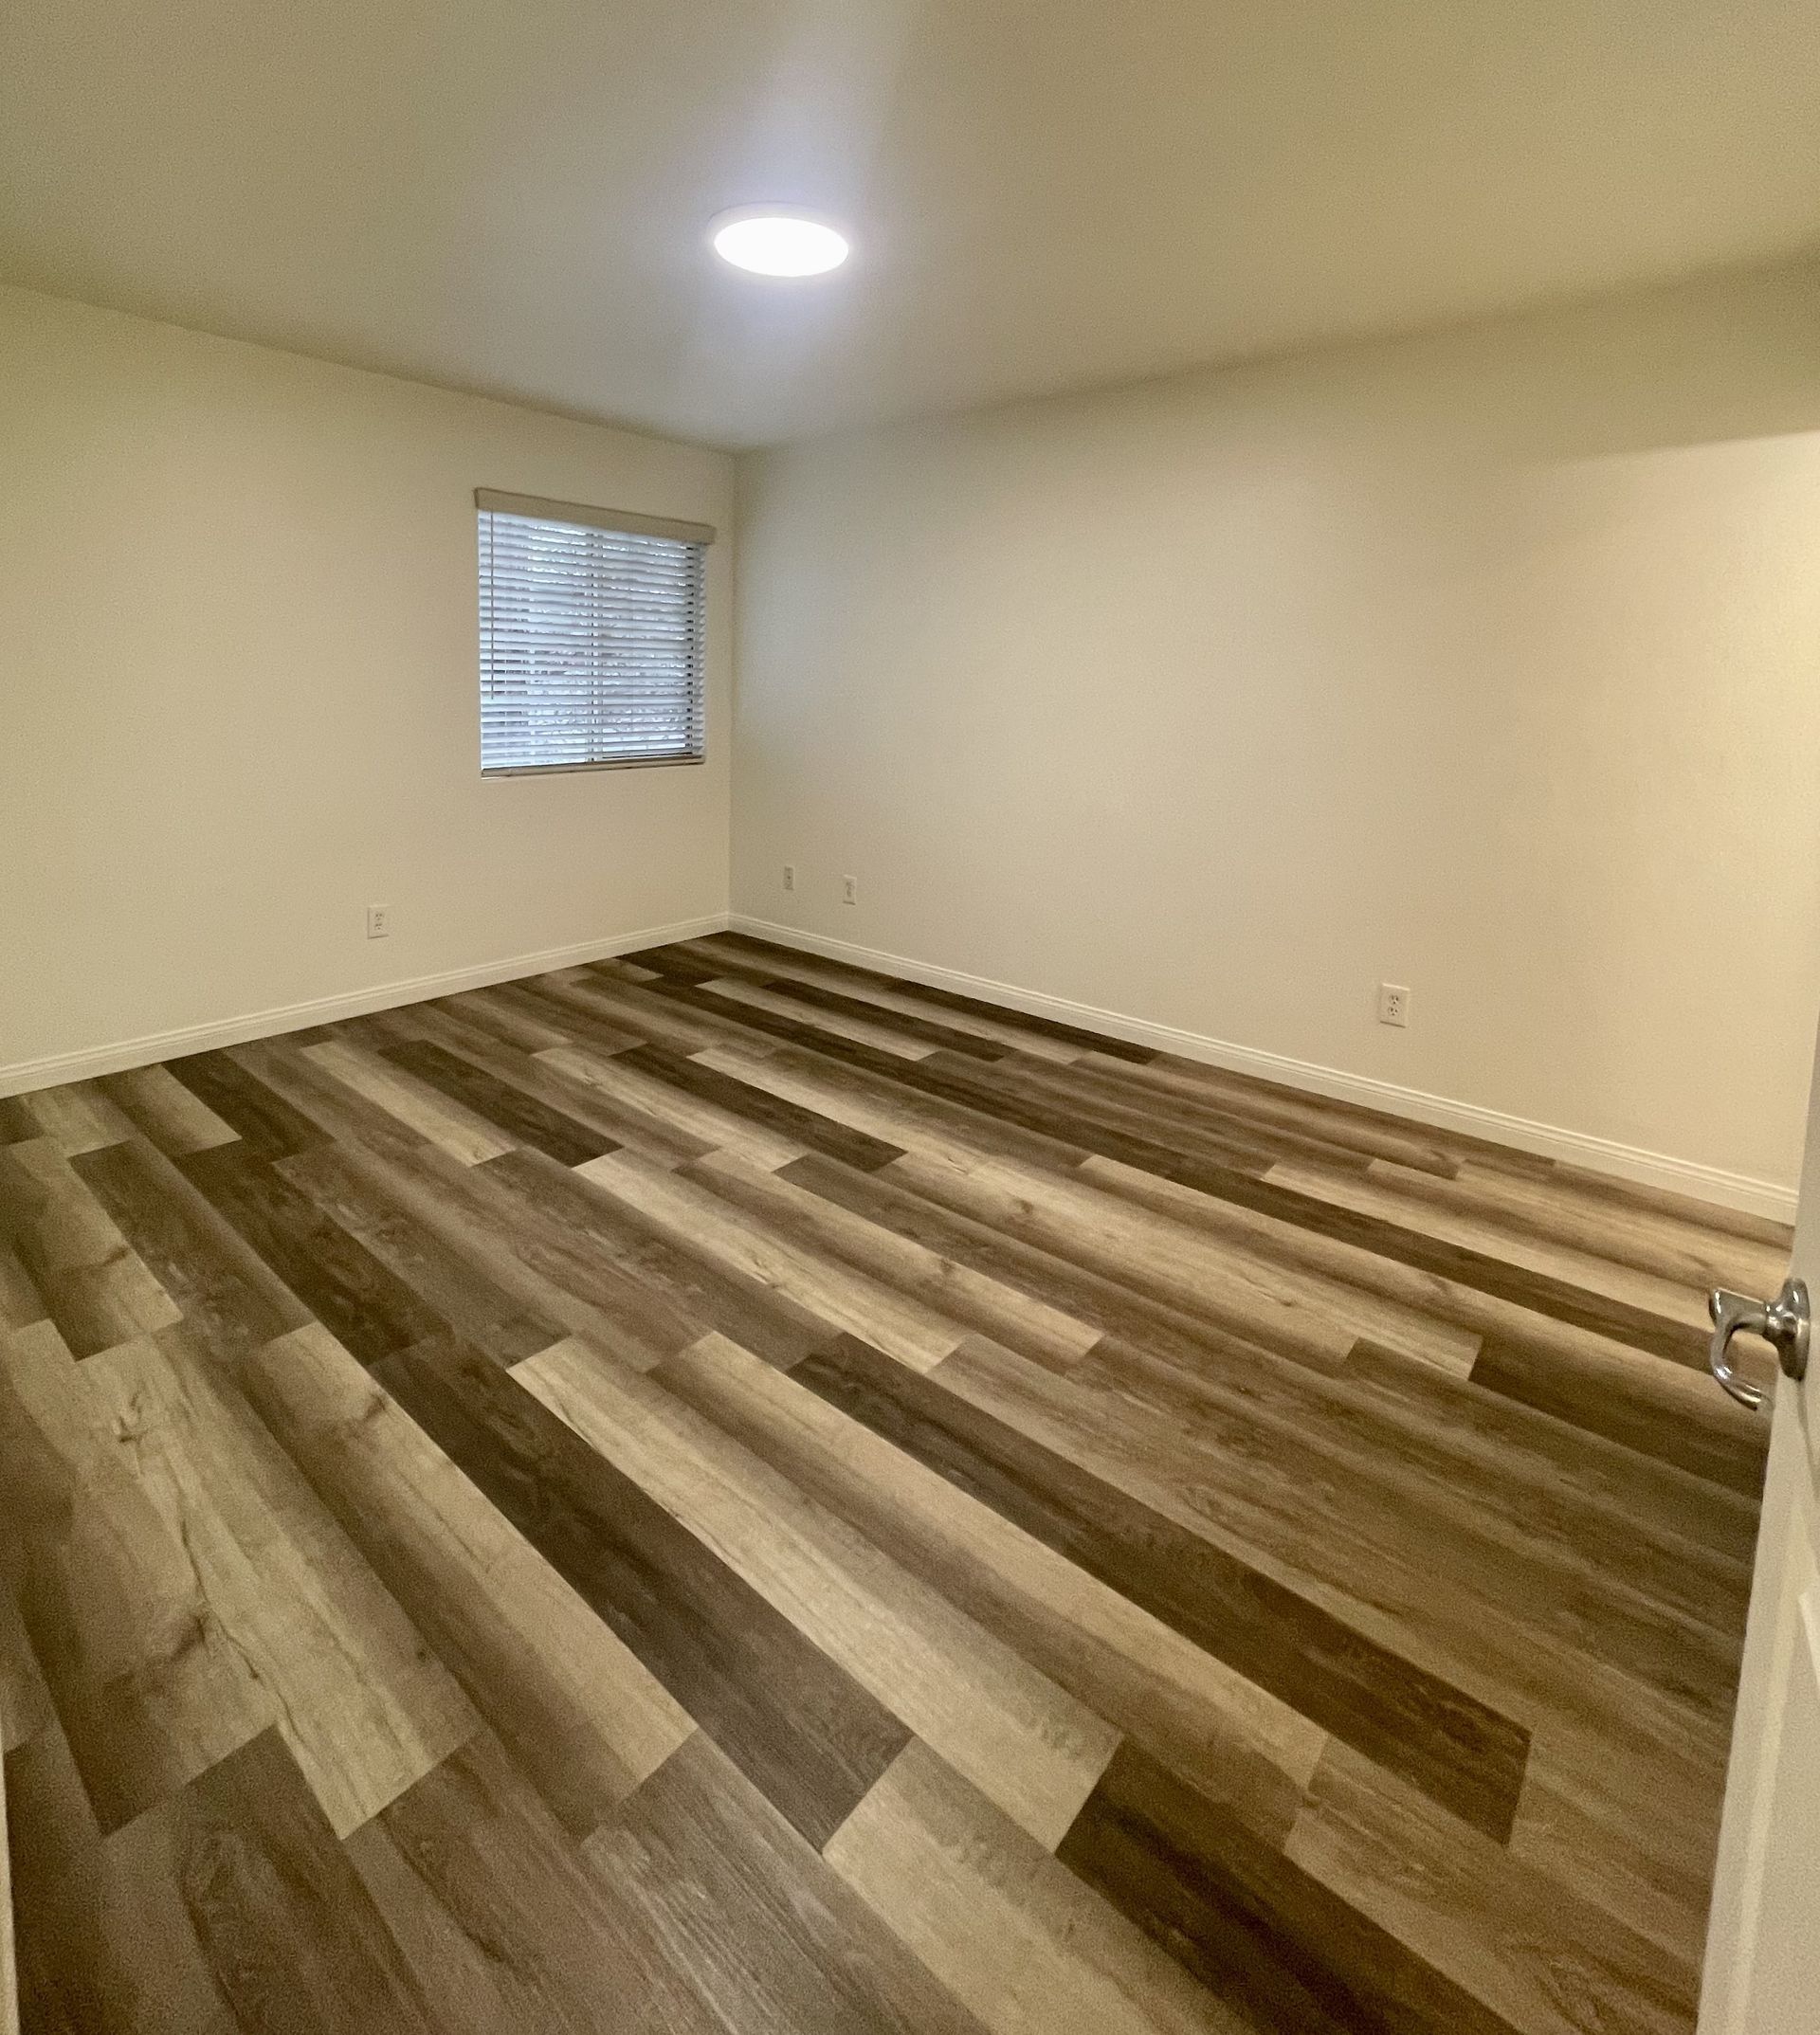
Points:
[(909, 956)]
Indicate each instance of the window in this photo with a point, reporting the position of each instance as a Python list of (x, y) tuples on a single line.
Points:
[(591, 636)]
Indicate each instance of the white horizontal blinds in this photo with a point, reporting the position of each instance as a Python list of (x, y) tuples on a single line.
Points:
[(591, 640)]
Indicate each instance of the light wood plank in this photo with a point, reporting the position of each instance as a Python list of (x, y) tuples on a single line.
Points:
[(955, 1292), (1012, 1935), (446, 1125), (846, 1298), (689, 1113), (364, 1705), (579, 1712), (95, 1286), (1022, 1741), (1245, 1744)]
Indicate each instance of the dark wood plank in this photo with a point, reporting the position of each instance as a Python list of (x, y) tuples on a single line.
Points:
[(17, 1123), (226, 1291), (1121, 1096), (843, 1068), (814, 997), (1089, 1295), (458, 1290), (64, 1259), (73, 1977), (772, 1939), (796, 1724), (343, 1284), (505, 1926), (820, 1134), (671, 964), (1025, 1093), (1679, 1342), (513, 1110), (666, 1296), (241, 1873), (1709, 1437), (270, 1125), (951, 1000), (1442, 1740), (982, 1090), (1248, 1922)]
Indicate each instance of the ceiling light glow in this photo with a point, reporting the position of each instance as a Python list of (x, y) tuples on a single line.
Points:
[(768, 240)]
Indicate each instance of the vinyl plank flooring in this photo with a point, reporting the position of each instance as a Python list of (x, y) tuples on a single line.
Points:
[(582, 1716), (342, 1283), (1398, 1433), (1670, 1415), (1460, 1905), (1243, 1743), (239, 1878), (615, 1124), (769, 1936), (82, 1962), (89, 1279), (461, 1294), (1302, 1317), (864, 1026), (454, 1130), (783, 1712), (721, 1493), (739, 1099), (674, 1289), (80, 1117), (822, 1286), (363, 1704), (1086, 1295), (1013, 1933), (1466, 1756), (1019, 1739), (501, 1920), (858, 1093), (521, 1114), (1250, 1923), (685, 1110), (149, 1687), (263, 1119), (955, 1291), (785, 968), (216, 1282), (162, 1109), (970, 1006), (807, 1003), (1525, 1629)]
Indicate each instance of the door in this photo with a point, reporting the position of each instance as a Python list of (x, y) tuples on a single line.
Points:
[(1762, 1973)]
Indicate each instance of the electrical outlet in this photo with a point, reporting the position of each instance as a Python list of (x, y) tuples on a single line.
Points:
[(1393, 1004), (849, 890), (378, 921), (790, 875)]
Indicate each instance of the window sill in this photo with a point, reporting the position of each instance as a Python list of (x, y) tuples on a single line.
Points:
[(617, 763)]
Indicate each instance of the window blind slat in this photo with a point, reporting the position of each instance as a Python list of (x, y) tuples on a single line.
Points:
[(590, 643)]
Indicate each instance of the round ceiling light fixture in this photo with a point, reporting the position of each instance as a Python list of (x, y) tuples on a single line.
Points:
[(775, 239)]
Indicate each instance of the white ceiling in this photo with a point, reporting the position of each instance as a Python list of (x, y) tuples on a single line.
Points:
[(1045, 193)]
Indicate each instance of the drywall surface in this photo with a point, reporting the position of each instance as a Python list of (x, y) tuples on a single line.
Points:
[(1487, 664), (238, 689)]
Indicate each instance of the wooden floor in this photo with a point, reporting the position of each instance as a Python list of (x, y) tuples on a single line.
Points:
[(718, 1492)]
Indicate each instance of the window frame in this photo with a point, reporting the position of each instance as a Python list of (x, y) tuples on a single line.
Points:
[(620, 523)]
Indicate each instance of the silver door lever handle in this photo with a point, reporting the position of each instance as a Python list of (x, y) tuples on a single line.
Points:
[(1783, 1322)]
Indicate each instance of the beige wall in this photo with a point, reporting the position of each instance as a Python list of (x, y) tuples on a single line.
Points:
[(238, 687), (1488, 663)]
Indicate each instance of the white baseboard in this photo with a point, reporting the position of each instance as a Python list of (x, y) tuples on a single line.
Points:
[(1547, 1140), (85, 1066)]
